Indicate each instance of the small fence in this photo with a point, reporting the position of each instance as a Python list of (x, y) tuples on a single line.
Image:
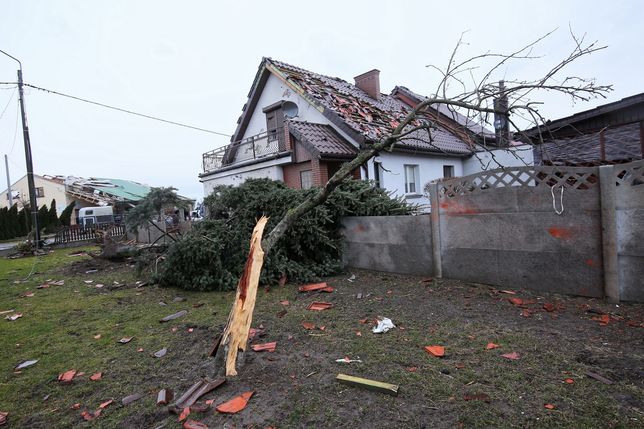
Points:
[(69, 234), (575, 230)]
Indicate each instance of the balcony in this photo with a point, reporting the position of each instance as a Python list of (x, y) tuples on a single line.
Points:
[(259, 146)]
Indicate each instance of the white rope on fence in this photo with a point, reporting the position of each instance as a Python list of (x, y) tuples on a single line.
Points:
[(554, 203)]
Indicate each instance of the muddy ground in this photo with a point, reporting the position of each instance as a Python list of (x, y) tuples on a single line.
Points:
[(557, 338)]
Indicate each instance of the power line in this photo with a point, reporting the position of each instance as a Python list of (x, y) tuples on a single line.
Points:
[(125, 110), (8, 102)]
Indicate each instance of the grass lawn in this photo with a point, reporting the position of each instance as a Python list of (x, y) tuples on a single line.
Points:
[(295, 386)]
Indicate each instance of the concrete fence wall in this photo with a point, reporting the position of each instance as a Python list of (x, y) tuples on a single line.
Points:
[(559, 229)]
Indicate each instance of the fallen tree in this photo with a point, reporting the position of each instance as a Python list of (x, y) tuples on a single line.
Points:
[(480, 101)]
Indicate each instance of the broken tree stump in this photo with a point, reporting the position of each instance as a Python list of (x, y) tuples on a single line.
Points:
[(235, 335)]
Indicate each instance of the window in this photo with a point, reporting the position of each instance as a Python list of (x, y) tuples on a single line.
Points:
[(40, 192), (306, 179), (448, 171), (412, 179)]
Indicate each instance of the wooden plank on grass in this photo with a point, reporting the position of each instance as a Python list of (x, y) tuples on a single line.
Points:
[(378, 386)]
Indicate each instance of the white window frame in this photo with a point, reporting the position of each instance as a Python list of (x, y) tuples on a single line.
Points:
[(450, 167), (412, 170), (308, 183)]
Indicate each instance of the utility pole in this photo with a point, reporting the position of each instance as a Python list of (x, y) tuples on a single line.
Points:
[(9, 196), (30, 169)]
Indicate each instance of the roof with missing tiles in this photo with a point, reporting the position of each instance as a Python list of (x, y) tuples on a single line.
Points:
[(352, 110), (621, 144), (323, 139)]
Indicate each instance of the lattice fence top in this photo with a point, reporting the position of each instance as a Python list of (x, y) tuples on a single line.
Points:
[(581, 178), (630, 174)]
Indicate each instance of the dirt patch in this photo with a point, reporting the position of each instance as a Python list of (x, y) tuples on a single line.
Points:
[(555, 337)]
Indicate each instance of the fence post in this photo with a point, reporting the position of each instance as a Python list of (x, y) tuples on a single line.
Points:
[(607, 202), (436, 231)]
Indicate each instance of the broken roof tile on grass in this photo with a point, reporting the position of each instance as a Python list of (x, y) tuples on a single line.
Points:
[(319, 306), (267, 347), (315, 287), (236, 404)]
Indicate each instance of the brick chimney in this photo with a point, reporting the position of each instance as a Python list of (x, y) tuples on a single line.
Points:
[(369, 82)]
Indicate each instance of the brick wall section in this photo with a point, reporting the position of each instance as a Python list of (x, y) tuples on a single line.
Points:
[(321, 171), (292, 174)]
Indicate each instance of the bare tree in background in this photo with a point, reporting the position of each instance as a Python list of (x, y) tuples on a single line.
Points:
[(476, 99)]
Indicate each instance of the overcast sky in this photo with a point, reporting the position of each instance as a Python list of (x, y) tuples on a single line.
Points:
[(194, 61)]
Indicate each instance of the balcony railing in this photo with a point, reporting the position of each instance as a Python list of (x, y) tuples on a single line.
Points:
[(254, 147)]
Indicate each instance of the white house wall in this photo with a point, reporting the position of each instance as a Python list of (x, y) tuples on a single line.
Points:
[(275, 90), (516, 156), (269, 170), (430, 168)]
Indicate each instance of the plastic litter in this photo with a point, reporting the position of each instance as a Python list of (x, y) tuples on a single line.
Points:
[(384, 325)]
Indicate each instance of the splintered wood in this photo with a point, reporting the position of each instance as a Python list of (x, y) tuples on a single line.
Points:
[(235, 335)]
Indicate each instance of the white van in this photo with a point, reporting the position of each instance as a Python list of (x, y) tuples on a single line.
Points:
[(95, 216)]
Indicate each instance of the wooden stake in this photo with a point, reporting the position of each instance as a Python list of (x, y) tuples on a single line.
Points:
[(378, 386), (235, 335)]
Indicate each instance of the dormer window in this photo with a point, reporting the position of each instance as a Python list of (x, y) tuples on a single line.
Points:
[(274, 120)]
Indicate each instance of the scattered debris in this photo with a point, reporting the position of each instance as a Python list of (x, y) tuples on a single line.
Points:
[(352, 278), (106, 404), (184, 413), (198, 304), (164, 396), (491, 346), (97, 336), (88, 281), (42, 286), (549, 406), (131, 398), (26, 294), (322, 287), (308, 325), (511, 356), (412, 369), (160, 353), (599, 377), (96, 377), (569, 381), (359, 295), (285, 302), (347, 360), (67, 376), (384, 325), (194, 424), (281, 314), (378, 386), (26, 364), (549, 307), (179, 299), (236, 404), (199, 408), (91, 271), (7, 311), (174, 316), (125, 340), (319, 306), (267, 347), (603, 320), (195, 392), (476, 397), (438, 351), (14, 317), (3, 418), (254, 332)]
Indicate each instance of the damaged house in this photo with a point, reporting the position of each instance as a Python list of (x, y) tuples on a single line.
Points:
[(299, 127)]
